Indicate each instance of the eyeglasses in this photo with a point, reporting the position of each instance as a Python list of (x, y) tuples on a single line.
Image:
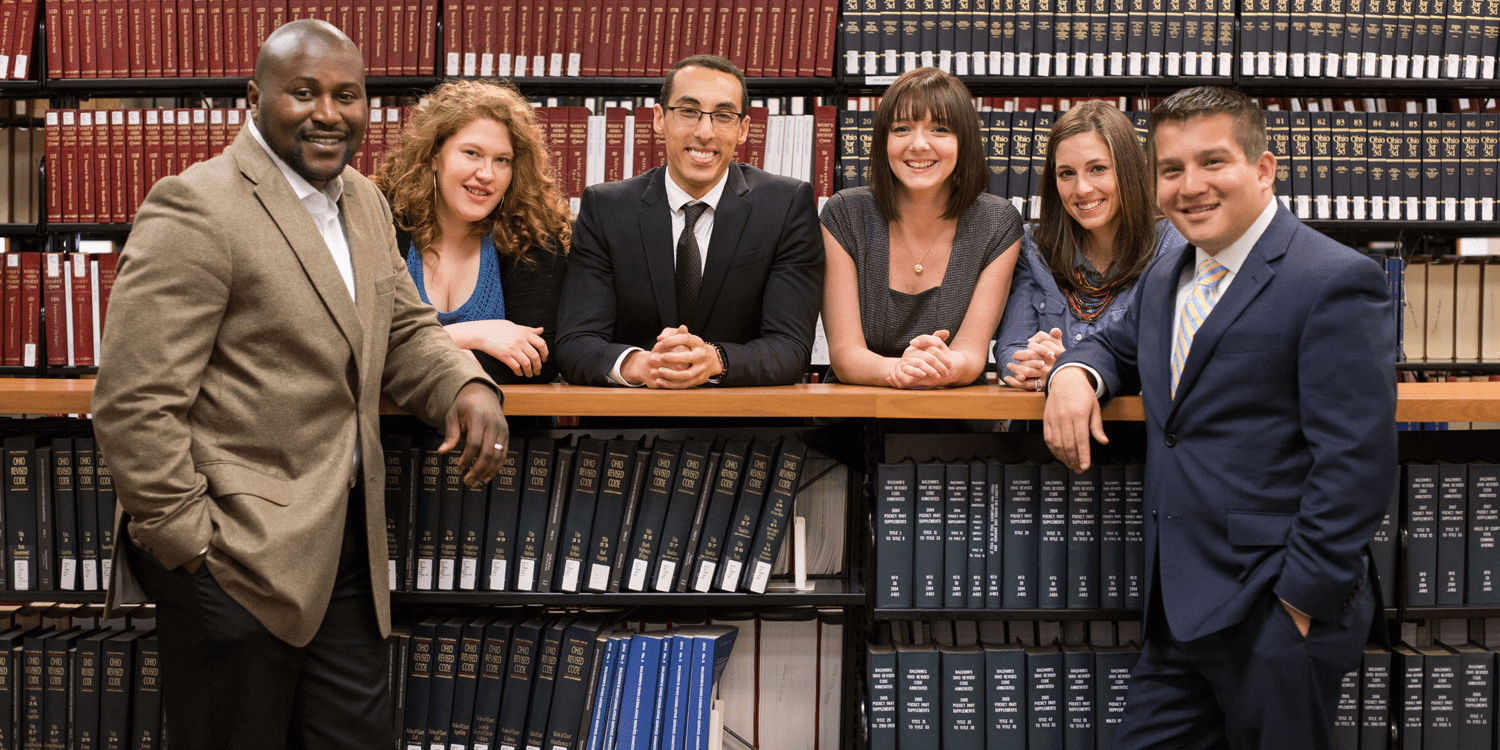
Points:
[(691, 116)]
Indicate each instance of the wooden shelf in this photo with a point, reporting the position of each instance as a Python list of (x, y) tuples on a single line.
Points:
[(1419, 402)]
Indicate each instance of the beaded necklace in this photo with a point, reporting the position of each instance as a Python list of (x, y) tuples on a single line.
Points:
[(1089, 304)]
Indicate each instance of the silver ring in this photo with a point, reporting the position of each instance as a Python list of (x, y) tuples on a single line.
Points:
[(499, 446), (1039, 384)]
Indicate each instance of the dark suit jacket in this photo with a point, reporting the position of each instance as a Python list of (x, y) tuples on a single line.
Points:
[(1273, 465), (762, 284)]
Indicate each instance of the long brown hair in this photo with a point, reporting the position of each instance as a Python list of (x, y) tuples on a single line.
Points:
[(1058, 235), (533, 213), (916, 94)]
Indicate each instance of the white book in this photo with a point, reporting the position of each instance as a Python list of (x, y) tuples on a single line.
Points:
[(594, 171), (629, 170)]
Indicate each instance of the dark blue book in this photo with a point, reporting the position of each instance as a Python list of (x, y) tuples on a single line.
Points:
[(927, 551), (638, 697), (918, 681), (1476, 710), (604, 692), (88, 684), (400, 503), (104, 495), (1112, 536), (1112, 666), (1080, 714), (58, 650), (505, 507), (573, 547), (1375, 698), (712, 646), (450, 520), (145, 723), (956, 536), (1052, 537), (662, 688), (880, 666), (531, 522), (1453, 522), (1440, 697), (444, 673), (64, 516), (746, 516), (895, 487), (1005, 696), (1483, 537), (716, 520), (491, 685), (418, 682), (466, 683), (994, 568), (544, 682), (1022, 511), (1346, 713), (88, 514), (562, 470), (1407, 697), (1135, 536), (1083, 539), (604, 540), (116, 703), (639, 477), (677, 527), (1421, 534), (1044, 698), (660, 476), (979, 533), (700, 515), (617, 694), (576, 674), (21, 552), (427, 529), (520, 669), (962, 697), (776, 517), (471, 530), (672, 707)]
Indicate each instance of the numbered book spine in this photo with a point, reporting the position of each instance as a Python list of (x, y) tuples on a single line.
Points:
[(578, 525), (604, 540), (1022, 510), (531, 523), (562, 466), (747, 512), (500, 526), (677, 527), (652, 513), (786, 474), (927, 550), (955, 581)]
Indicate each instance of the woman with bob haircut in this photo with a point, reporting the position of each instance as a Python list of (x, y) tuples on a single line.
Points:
[(1097, 233), (483, 224), (919, 262)]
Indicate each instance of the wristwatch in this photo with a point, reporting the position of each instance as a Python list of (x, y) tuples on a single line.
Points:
[(723, 364)]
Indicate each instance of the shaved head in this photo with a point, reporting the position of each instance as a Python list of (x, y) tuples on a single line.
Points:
[(308, 98), (301, 35)]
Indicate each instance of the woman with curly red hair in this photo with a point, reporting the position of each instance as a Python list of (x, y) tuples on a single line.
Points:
[(482, 223)]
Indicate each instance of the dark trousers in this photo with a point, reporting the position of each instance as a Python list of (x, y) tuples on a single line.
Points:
[(1258, 684), (228, 684)]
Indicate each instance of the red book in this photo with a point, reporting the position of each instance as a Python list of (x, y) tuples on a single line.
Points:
[(10, 353), (184, 157), (481, 45), (103, 170), (640, 27), (755, 45), (520, 60), (541, 39), (364, 158), (135, 154), (107, 263), (218, 132), (723, 28), (459, 19), (155, 166), (411, 60), (656, 41), (502, 42), (168, 130), (55, 42), (559, 134), (671, 47), (393, 118), (54, 301), (325, 10), (739, 36), (689, 39), (801, 27), (777, 27), (576, 27), (88, 28), (280, 14), (828, 27), (31, 307), (825, 147), (25, 37), (202, 61), (361, 28), (137, 39), (343, 18), (557, 37), (233, 31), (380, 31), (614, 143), (578, 149), (82, 311), (119, 169), (9, 9), (610, 14), (72, 61), (53, 151), (151, 33), (68, 176), (754, 147), (170, 39), (593, 25), (186, 47), (88, 183), (641, 141)]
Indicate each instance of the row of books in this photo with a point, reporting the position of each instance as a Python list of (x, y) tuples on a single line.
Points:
[(53, 305), (1450, 309), (59, 511), (996, 696), (1436, 696), (592, 515), (1449, 514), (17, 37), (209, 38), (982, 534), (1041, 37), (1369, 38), (781, 38)]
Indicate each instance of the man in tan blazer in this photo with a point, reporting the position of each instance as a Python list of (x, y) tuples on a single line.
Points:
[(260, 312)]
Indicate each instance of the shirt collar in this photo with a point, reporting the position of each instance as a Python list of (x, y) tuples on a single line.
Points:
[(1233, 257), (677, 197), (332, 191)]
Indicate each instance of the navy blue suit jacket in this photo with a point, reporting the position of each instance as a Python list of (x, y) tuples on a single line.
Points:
[(762, 284), (1273, 465)]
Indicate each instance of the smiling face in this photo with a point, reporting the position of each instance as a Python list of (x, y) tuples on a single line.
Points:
[(473, 170), (699, 154), (310, 107), (922, 155), (1085, 176), (1205, 184)]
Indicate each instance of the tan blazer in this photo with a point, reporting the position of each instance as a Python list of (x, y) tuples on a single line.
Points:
[(237, 374)]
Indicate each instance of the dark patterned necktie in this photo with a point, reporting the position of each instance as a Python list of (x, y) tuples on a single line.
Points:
[(689, 268)]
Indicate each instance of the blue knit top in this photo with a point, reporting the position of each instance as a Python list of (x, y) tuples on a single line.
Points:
[(488, 300)]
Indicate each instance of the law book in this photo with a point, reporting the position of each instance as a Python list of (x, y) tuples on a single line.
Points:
[(928, 544), (1279, 143), (57, 689), (556, 509), (544, 682), (1299, 125), (981, 535), (1421, 534), (962, 697), (1080, 693), (605, 718), (1346, 712), (918, 686), (1339, 164), (1407, 694), (520, 671), (427, 531), (1111, 584), (1384, 545), (1451, 164), (531, 523), (22, 552), (677, 523), (65, 515), (1440, 696), (31, 706), (500, 525), (955, 580), (577, 661), (1375, 697), (104, 495), (54, 303), (652, 512), (471, 530), (419, 682), (1476, 678), (747, 513), (1044, 697), (46, 546), (638, 702), (881, 701), (667, 714), (1005, 681), (1052, 537), (490, 687), (400, 504), (88, 686), (1112, 667), (706, 485), (80, 310), (1022, 485), (895, 485), (773, 38), (115, 710), (1083, 530), (1431, 167), (786, 474), (450, 516), (577, 524), (146, 724), (637, 488), (1483, 535), (1452, 527), (1470, 165), (443, 677), (1359, 166), (603, 542), (1412, 166), (1380, 162), (468, 654), (910, 34)]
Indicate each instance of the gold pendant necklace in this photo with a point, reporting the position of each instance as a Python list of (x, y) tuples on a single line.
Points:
[(916, 262)]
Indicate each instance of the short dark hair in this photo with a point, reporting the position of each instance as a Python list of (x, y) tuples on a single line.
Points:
[(711, 62), (917, 94), (1249, 121)]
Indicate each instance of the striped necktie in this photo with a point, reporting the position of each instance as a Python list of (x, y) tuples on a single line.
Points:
[(1199, 303)]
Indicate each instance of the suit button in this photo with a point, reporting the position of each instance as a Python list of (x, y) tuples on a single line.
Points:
[(1171, 440)]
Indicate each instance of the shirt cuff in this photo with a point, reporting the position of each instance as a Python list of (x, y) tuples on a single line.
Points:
[(1098, 381), (614, 372)]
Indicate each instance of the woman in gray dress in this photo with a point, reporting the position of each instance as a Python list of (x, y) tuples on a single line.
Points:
[(918, 264)]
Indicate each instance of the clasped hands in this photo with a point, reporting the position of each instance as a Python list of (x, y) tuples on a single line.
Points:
[(926, 363), (679, 360), (1032, 364)]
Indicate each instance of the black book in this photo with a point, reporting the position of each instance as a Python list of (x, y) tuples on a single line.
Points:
[(1044, 698), (450, 517), (1453, 502), (1399, 42), (500, 526), (1469, 166), (1299, 124), (849, 173), (1135, 536), (706, 485), (1403, 165), (956, 536), (994, 513), (1473, 38), (1172, 32), (398, 653), (774, 520), (1135, 41), (1005, 696), (1192, 30), (1451, 162), (1281, 31), (1452, 30), (1373, 38), (1041, 130), (57, 652), (1119, 34), (1476, 675), (1489, 158), (419, 681), (1044, 35), (1317, 12), (544, 682), (1052, 537), (145, 725), (997, 148), (880, 666), (1412, 165), (531, 521), (1483, 536), (672, 549), (46, 532), (562, 469), (104, 494), (525, 650), (1099, 37), (1080, 715), (1333, 39), (1489, 44), (471, 530), (573, 547), (716, 521), (88, 513), (444, 675), (88, 687), (870, 38), (1340, 182), (1354, 37), (927, 551), (651, 514), (1375, 148), (1156, 37), (490, 686), (910, 34), (962, 697), (918, 683), (895, 485), (115, 704), (1432, 167), (1408, 682), (1359, 165), (1111, 536), (1421, 535), (1384, 545), (466, 683), (850, 28), (619, 465), (20, 514), (980, 530), (1062, 37), (428, 529), (747, 511), (399, 504), (1021, 126), (937, 35), (1375, 698), (1025, 36), (1022, 512), (64, 515), (578, 656), (638, 479), (1112, 666), (890, 39), (1346, 713), (1440, 697), (1279, 142), (1083, 539)]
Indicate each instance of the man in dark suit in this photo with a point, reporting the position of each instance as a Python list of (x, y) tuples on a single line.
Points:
[(1263, 353), (732, 301), (260, 313)]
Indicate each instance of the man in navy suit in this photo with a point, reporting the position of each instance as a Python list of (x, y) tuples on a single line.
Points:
[(1263, 353), (704, 271)]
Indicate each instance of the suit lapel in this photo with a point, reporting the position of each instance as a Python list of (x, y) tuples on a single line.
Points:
[(1156, 345), (655, 219), (730, 217)]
